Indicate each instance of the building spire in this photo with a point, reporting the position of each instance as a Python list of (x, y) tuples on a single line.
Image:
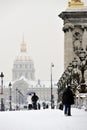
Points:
[(75, 3), (23, 45)]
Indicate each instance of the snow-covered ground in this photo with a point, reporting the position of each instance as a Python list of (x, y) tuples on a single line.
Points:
[(43, 120)]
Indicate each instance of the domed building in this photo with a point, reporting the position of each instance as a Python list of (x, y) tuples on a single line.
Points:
[(23, 65), (23, 76)]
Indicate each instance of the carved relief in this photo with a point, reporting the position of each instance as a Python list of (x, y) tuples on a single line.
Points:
[(77, 40), (68, 27), (84, 27)]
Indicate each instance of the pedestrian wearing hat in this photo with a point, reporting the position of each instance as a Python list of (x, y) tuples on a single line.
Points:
[(68, 100)]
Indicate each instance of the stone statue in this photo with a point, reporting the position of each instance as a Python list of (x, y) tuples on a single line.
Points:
[(77, 1), (77, 41)]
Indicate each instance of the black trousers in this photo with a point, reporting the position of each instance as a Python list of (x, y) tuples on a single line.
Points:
[(67, 109), (29, 106), (35, 105)]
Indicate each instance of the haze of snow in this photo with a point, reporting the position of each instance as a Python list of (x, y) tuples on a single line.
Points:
[(43, 120)]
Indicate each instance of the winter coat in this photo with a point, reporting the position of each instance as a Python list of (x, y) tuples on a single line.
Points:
[(68, 97), (34, 98), (29, 99)]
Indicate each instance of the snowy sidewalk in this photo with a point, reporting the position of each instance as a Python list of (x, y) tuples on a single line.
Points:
[(43, 120)]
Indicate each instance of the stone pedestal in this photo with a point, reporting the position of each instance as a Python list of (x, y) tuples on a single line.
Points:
[(75, 32), (82, 101)]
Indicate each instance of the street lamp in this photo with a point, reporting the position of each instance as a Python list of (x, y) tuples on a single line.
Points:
[(10, 97), (1, 75), (16, 98), (52, 65), (19, 98), (2, 104)]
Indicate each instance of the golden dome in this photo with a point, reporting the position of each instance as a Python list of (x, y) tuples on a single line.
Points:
[(23, 55)]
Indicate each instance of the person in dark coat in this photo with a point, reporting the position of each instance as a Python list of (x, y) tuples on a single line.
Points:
[(34, 101), (68, 100)]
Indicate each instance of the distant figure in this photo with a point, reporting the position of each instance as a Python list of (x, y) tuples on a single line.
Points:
[(47, 106), (39, 106), (44, 105), (68, 100), (34, 101), (52, 102), (61, 106), (29, 102)]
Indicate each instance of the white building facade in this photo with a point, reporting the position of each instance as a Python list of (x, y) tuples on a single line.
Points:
[(23, 81)]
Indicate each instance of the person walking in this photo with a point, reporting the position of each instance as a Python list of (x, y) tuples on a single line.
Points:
[(68, 100), (34, 101), (29, 102)]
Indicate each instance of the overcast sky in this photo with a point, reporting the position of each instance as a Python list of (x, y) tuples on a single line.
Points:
[(42, 28)]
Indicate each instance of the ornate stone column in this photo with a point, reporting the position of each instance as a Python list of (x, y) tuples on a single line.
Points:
[(68, 46), (75, 31)]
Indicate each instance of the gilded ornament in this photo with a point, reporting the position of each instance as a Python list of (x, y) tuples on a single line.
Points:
[(75, 3)]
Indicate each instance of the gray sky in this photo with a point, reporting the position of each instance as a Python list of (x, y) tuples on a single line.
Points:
[(42, 28)]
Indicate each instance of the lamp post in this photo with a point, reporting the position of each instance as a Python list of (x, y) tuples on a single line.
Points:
[(2, 104), (58, 93), (52, 65), (10, 96), (1, 75), (16, 99), (19, 98)]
